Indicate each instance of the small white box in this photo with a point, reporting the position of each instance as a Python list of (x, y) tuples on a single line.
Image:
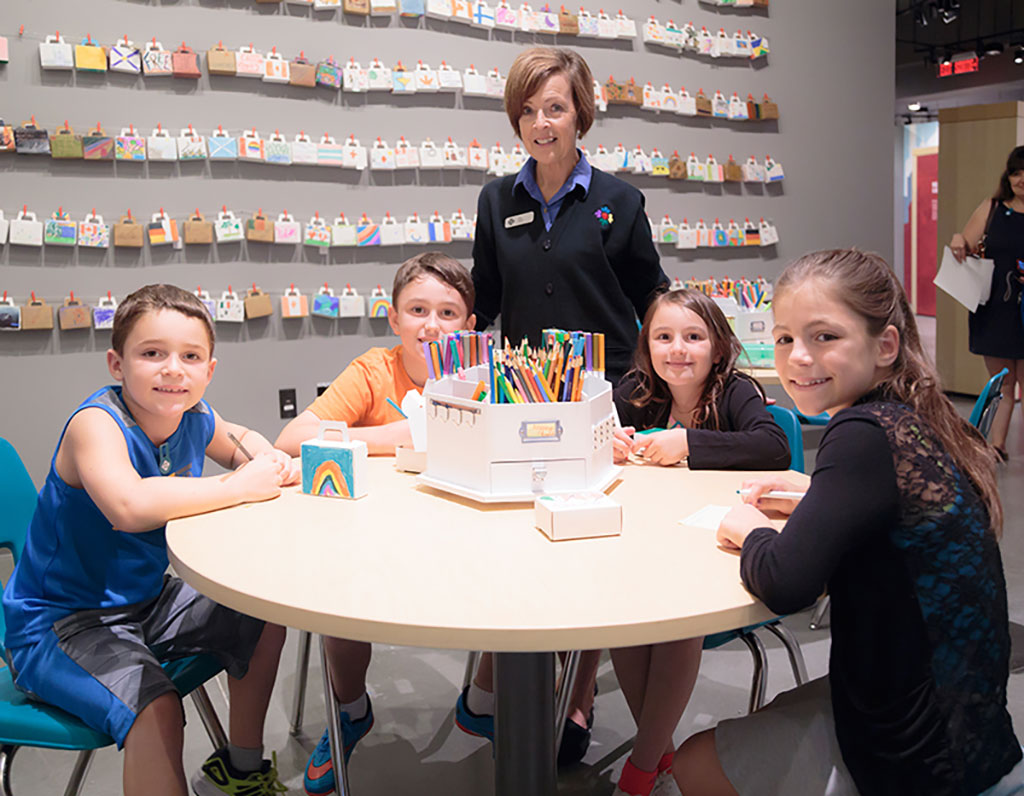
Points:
[(410, 460), (754, 326), (581, 515)]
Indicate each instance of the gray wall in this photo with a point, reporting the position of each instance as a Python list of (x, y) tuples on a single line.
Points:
[(831, 71)]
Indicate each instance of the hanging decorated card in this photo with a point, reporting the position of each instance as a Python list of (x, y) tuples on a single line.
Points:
[(229, 307), (222, 146), (383, 6), (74, 314), (163, 231), (156, 61), (97, 145), (687, 237), (304, 151), (317, 233), (483, 15), (191, 145), (185, 62), (497, 161), (36, 314), (26, 229), (128, 233), (462, 228), (425, 77), (462, 11), (439, 9), (402, 80), (454, 155), (494, 84), (355, 77), (328, 73), (687, 105), (378, 76), (294, 304), (406, 155), (129, 145), (392, 233), (733, 171), (411, 8), (275, 68), (625, 27), (753, 171), (198, 229), (587, 24), (379, 303), (301, 72), (259, 228), (278, 150), (476, 156), (769, 235), (65, 145), (651, 98), (325, 303), (714, 170), (546, 21), (55, 53), (416, 230), (600, 97), (640, 161), (438, 229), (287, 230), (93, 233), (125, 57), (677, 168), (220, 61), (360, 7), (161, 146), (382, 156), (720, 106), (248, 62), (228, 227), (738, 108), (329, 152), (251, 146), (103, 312), (773, 170), (506, 17), (6, 138), (367, 232), (431, 157), (10, 315), (473, 83), (354, 154), (209, 303), (659, 164), (90, 57), (606, 26), (60, 230), (342, 232), (257, 303)]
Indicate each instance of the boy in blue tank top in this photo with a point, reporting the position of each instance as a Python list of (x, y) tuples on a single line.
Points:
[(90, 611)]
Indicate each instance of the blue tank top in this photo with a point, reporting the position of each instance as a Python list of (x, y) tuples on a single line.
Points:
[(74, 559)]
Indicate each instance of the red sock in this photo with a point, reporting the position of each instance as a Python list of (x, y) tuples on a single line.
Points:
[(665, 764), (636, 782)]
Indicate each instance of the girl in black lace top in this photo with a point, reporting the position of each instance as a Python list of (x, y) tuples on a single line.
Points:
[(900, 522)]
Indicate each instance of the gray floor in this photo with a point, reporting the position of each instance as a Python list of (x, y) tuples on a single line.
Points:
[(414, 748)]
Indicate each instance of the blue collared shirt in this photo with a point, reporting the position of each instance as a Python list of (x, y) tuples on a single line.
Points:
[(527, 177)]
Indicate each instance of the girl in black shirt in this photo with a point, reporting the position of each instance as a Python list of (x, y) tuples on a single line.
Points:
[(900, 521)]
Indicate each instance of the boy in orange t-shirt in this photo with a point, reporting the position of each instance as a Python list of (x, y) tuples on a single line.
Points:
[(432, 296)]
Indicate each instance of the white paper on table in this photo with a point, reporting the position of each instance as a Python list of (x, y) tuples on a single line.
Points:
[(969, 282), (415, 410), (709, 517)]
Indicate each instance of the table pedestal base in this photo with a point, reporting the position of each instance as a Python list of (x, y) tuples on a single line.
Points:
[(524, 719)]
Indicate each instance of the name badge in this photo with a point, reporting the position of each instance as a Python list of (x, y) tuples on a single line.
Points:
[(518, 221)]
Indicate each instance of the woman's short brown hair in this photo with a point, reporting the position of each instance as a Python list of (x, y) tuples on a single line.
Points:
[(533, 67)]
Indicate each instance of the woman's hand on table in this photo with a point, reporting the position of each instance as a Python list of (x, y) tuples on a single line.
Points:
[(738, 524), (662, 447), (622, 444), (760, 486)]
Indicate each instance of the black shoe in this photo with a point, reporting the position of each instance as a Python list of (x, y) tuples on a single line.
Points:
[(575, 741)]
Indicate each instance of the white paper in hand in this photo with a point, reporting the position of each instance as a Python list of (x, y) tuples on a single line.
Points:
[(969, 282), (415, 410), (709, 517)]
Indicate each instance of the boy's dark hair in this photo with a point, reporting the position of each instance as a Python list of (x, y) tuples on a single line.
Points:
[(153, 298), (726, 348), (443, 268)]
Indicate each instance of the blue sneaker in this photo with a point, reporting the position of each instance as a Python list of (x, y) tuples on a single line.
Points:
[(473, 723), (319, 777)]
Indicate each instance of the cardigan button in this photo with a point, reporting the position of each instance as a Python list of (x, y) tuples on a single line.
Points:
[(549, 288), (547, 245)]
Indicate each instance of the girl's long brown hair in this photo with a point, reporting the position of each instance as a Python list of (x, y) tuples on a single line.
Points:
[(865, 283), (651, 389)]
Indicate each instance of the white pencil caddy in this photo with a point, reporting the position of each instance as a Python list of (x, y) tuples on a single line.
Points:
[(515, 452)]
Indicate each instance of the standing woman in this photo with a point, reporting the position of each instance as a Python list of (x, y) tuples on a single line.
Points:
[(996, 230), (559, 245)]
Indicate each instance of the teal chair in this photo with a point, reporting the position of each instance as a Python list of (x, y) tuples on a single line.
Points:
[(26, 722), (787, 419), (984, 410)]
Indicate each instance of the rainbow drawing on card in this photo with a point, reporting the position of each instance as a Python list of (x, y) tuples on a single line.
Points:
[(329, 481), (380, 308), (367, 235)]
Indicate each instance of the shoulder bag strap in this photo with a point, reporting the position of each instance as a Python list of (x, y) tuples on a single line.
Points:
[(980, 248)]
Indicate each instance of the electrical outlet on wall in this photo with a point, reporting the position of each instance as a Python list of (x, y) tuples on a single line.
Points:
[(286, 397)]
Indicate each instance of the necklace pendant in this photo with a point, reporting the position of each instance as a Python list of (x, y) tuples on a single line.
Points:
[(165, 459)]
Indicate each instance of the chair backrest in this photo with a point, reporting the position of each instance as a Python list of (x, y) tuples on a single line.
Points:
[(18, 497), (984, 410), (791, 425)]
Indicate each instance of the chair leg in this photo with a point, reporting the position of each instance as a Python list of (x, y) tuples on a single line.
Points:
[(341, 786), (301, 676), (563, 691), (759, 681), (796, 655), (78, 772), (207, 714), (472, 658), (819, 613), (7, 752)]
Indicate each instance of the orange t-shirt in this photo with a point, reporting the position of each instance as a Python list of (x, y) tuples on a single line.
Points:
[(357, 395)]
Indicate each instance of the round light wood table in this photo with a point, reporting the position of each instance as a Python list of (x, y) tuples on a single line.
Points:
[(425, 568)]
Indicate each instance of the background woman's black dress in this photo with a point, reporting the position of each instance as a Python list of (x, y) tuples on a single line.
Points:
[(996, 329)]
